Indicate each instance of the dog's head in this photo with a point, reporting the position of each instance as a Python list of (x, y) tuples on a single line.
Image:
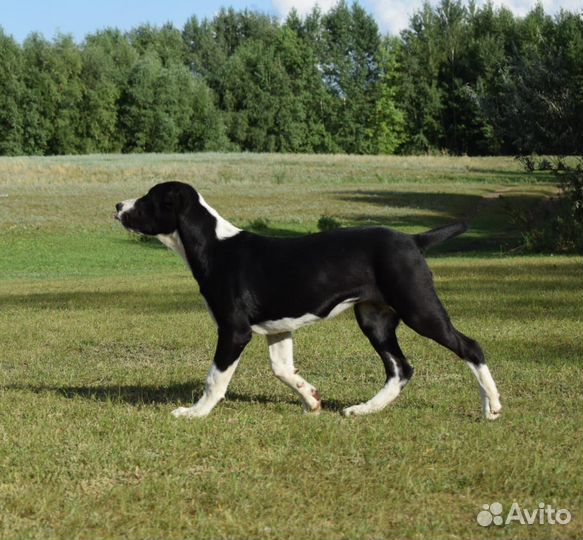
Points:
[(172, 207), (158, 211)]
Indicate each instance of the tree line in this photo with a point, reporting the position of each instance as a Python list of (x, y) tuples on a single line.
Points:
[(460, 79)]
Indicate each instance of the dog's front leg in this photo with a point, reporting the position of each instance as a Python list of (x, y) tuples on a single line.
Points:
[(229, 348), (282, 363)]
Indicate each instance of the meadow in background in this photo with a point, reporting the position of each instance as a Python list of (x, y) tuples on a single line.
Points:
[(102, 335)]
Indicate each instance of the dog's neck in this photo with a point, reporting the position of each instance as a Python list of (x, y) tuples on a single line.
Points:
[(199, 231), (223, 228), (173, 241)]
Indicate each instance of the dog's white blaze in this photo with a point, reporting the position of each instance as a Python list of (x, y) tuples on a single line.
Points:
[(223, 229), (216, 385), (491, 407), (281, 356), (290, 324), (126, 205), (386, 395)]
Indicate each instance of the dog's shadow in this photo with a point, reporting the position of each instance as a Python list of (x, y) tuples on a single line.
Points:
[(176, 394)]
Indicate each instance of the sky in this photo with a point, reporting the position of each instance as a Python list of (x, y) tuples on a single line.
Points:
[(80, 17)]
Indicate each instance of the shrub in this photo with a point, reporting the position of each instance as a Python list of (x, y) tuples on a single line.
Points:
[(328, 223), (555, 225), (259, 225), (528, 162)]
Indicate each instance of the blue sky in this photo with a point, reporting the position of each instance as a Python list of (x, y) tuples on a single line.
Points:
[(78, 17)]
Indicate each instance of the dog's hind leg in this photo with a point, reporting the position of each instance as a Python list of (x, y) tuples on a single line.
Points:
[(229, 349), (379, 322), (431, 320), (491, 407), (469, 350), (282, 363)]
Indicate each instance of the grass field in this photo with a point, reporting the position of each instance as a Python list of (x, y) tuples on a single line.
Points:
[(102, 335)]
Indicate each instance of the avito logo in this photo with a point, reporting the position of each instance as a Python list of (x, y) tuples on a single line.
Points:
[(544, 513)]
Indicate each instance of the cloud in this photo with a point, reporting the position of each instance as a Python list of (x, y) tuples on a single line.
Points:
[(303, 7), (392, 16), (522, 7)]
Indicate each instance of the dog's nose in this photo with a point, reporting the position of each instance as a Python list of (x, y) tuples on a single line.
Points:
[(119, 206)]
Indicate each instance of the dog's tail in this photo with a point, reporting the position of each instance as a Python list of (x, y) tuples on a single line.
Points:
[(441, 234)]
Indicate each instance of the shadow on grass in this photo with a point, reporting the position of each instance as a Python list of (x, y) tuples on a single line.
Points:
[(518, 288), (539, 177), (125, 300), (183, 393), (491, 227), (135, 239), (536, 177), (452, 204)]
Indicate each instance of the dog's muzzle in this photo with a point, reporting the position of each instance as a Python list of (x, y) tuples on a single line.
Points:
[(122, 207)]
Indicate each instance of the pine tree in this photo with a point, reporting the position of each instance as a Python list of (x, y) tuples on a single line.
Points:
[(387, 124)]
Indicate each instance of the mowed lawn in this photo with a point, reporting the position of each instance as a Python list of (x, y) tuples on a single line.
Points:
[(102, 335)]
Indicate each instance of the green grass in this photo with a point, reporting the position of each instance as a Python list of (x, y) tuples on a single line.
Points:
[(101, 336)]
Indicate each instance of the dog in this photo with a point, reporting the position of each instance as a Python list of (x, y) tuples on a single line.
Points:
[(271, 286)]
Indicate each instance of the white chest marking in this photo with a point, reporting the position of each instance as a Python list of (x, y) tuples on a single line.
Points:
[(223, 229), (290, 324), (172, 241)]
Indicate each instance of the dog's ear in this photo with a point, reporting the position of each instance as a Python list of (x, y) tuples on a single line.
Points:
[(179, 197), (172, 200)]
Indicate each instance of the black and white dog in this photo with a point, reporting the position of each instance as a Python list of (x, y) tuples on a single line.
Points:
[(273, 286)]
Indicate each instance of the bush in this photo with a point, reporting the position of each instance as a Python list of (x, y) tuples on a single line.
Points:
[(259, 225), (555, 225), (528, 162), (328, 223)]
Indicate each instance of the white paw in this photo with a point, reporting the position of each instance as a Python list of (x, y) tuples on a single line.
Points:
[(188, 412), (355, 410), (312, 400), (313, 410), (491, 414)]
